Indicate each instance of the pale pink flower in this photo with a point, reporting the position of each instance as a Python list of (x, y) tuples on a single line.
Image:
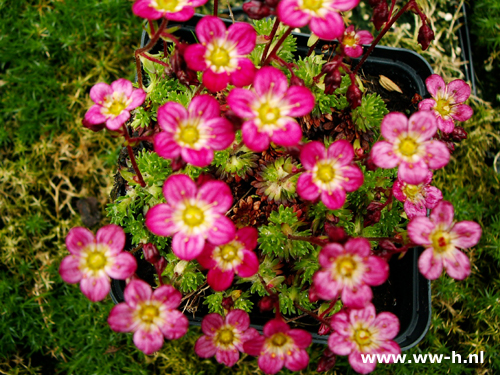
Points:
[(323, 16), (270, 108), (352, 41), (221, 53), (112, 104), (224, 338), (364, 332), (175, 10), (225, 260), (349, 271), (151, 315), (442, 238), (417, 198), (192, 216), (94, 260), (329, 173), (193, 133), (447, 102), (280, 346), (408, 145)]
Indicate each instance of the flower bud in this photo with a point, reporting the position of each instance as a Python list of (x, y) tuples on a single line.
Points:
[(425, 36), (160, 265), (332, 81), (256, 10), (354, 96), (380, 14), (324, 329), (313, 296), (93, 127), (151, 253), (458, 134), (227, 303), (272, 3), (327, 361), (267, 302), (334, 233), (296, 81)]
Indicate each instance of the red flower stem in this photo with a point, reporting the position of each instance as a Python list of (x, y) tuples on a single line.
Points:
[(216, 7), (165, 50), (290, 175), (270, 292), (146, 48), (151, 27), (151, 58), (378, 239), (200, 87), (148, 138), (136, 249), (271, 37), (393, 4), (313, 240), (310, 313), (171, 37), (381, 35), (311, 49), (277, 46), (132, 157)]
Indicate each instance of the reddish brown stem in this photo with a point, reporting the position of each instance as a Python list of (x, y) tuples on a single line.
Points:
[(153, 59), (132, 157), (200, 87), (271, 37), (216, 7), (277, 46), (311, 49), (151, 27), (378, 239), (311, 314), (171, 37), (313, 240)]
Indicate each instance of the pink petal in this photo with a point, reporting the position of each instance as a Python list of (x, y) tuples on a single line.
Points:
[(365, 37), (311, 153), (222, 232), (249, 266), (123, 267), (387, 324), (143, 9), (419, 230), (244, 36), (437, 154), (70, 269), (344, 5), (466, 234), (187, 247), (354, 51), (383, 156), (341, 324), (340, 345), (397, 190), (443, 214), (365, 315), (459, 90), (195, 57), (159, 220), (166, 146), (122, 86), (413, 173), (199, 158), (254, 139), (301, 338), (99, 92), (446, 126), (205, 347), (148, 341), (248, 336), (210, 28), (205, 258), (377, 272), (95, 288), (270, 365), (429, 266), (227, 357), (353, 178), (176, 325), (306, 188), (333, 199), (113, 237), (341, 151), (423, 123), (220, 280), (211, 324), (117, 122), (275, 326), (302, 100), (217, 193), (94, 115), (222, 133), (170, 115), (413, 210), (204, 106), (290, 135), (462, 112), (457, 265), (183, 15), (357, 297), (121, 318), (248, 236), (297, 360), (393, 125), (178, 188), (290, 13), (435, 84), (137, 98), (240, 101), (358, 365), (270, 81), (433, 196), (215, 81), (359, 246), (137, 291), (328, 27), (329, 253), (426, 105), (244, 73), (238, 319), (254, 346), (79, 238), (326, 288), (389, 347), (168, 296)]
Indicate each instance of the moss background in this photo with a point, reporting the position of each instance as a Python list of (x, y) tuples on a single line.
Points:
[(51, 53)]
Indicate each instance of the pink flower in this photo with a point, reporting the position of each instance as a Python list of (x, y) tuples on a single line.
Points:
[(175, 10), (112, 104), (348, 271), (192, 215), (441, 238), (363, 332), (235, 256), (408, 145), (221, 54), (417, 198), (447, 102), (270, 108), (150, 315), (224, 338), (193, 133), (280, 346), (323, 16), (329, 173), (352, 41), (94, 259)]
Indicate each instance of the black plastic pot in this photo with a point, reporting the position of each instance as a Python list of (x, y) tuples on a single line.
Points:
[(406, 293)]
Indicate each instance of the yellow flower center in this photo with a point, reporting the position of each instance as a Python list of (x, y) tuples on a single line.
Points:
[(411, 191), (193, 216), (326, 173), (167, 5), (440, 241), (279, 339), (362, 337), (117, 107), (408, 147), (350, 39), (225, 336), (189, 135), (268, 114), (443, 107), (228, 252), (148, 313), (312, 4), (96, 260), (219, 57), (346, 266)]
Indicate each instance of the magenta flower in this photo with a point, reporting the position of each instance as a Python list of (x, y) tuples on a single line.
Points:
[(193, 133), (270, 107), (352, 41), (408, 145), (329, 173), (348, 271), (363, 332), (280, 346), (447, 102), (192, 215), (94, 259), (150, 315), (323, 16), (112, 104), (224, 338), (417, 198), (175, 10), (221, 54), (442, 238), (235, 256)]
